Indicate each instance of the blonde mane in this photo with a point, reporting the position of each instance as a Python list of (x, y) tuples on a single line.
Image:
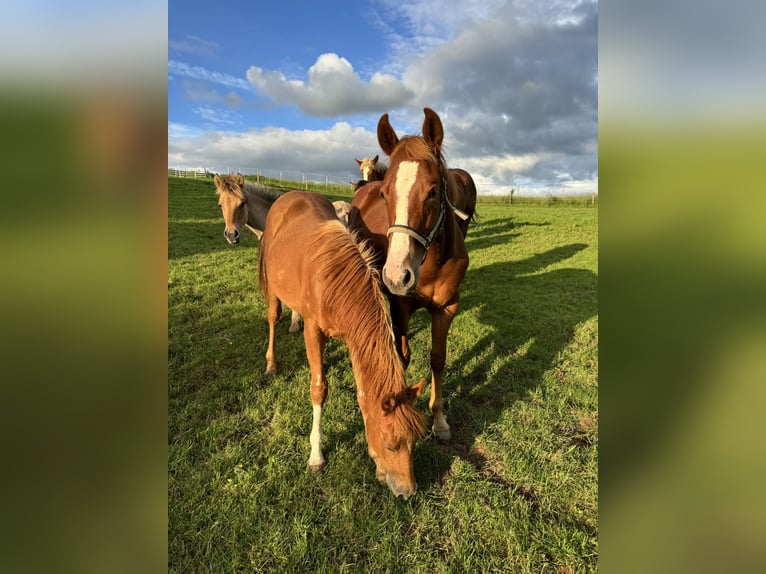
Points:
[(352, 289), (231, 186)]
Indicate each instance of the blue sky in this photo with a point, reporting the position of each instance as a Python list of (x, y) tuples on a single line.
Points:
[(298, 87)]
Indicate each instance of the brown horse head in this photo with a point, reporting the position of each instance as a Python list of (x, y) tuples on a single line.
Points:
[(414, 190), (392, 429), (231, 200)]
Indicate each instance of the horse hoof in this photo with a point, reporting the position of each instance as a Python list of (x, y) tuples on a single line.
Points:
[(294, 328), (443, 435), (271, 370), (317, 468)]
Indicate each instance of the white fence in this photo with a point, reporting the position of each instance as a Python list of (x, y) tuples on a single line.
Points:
[(193, 173)]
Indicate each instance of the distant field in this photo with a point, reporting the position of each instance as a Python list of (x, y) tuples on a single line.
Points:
[(514, 491)]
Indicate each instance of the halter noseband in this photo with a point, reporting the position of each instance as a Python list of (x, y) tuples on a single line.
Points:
[(424, 240)]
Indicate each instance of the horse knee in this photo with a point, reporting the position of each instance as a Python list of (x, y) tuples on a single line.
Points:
[(438, 360), (318, 390)]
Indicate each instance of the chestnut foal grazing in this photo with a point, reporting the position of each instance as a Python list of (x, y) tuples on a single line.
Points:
[(309, 261)]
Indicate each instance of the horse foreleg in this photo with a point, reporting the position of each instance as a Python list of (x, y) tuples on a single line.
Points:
[(274, 312), (400, 321), (315, 342), (441, 319), (295, 322)]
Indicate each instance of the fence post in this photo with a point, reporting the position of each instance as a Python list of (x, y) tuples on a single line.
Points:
[(593, 198)]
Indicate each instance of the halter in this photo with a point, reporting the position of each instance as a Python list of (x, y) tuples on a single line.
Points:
[(424, 240)]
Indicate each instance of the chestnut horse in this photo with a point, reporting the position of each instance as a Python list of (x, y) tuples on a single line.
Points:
[(371, 169), (310, 261), (409, 220), (246, 204)]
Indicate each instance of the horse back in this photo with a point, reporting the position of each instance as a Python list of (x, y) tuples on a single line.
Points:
[(284, 253)]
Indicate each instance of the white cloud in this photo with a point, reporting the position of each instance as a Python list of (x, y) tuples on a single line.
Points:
[(193, 45), (217, 116), (182, 69), (333, 89), (515, 83), (272, 150)]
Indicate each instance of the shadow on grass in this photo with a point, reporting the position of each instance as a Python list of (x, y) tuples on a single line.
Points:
[(532, 319)]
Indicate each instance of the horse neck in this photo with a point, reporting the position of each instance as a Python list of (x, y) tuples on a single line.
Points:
[(257, 209)]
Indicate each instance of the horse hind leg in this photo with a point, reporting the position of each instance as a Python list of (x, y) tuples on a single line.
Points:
[(274, 312)]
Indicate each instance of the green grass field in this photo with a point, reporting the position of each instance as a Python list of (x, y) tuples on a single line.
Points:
[(515, 490)]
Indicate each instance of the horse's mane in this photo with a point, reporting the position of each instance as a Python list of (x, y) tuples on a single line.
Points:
[(231, 186), (262, 190), (415, 148), (353, 289)]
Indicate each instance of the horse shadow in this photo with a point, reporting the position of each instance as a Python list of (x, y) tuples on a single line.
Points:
[(531, 320)]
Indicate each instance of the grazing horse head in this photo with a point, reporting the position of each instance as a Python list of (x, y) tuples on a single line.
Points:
[(414, 189), (231, 200), (392, 427)]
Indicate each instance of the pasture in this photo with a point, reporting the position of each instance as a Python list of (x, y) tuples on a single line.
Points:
[(515, 490)]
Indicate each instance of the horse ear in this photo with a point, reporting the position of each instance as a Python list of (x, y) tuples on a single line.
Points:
[(239, 180), (359, 161), (217, 180), (375, 159), (433, 132), (388, 404), (386, 135), (415, 391)]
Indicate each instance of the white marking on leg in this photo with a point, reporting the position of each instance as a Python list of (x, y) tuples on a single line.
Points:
[(400, 242), (316, 459)]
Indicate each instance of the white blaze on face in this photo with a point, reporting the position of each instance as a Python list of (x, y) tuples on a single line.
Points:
[(400, 242), (367, 172)]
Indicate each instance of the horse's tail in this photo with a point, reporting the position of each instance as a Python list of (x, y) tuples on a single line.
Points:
[(263, 279)]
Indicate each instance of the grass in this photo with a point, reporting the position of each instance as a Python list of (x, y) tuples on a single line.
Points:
[(515, 490)]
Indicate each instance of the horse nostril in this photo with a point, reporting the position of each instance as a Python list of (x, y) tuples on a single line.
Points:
[(407, 276), (236, 233)]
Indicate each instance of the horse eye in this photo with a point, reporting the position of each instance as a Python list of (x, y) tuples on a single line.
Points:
[(432, 193), (392, 448), (382, 196)]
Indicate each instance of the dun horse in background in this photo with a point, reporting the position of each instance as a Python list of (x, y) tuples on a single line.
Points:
[(372, 169), (246, 204), (243, 204), (310, 261), (410, 220)]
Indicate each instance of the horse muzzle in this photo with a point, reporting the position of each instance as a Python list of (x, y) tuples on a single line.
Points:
[(400, 280), (400, 489), (231, 236)]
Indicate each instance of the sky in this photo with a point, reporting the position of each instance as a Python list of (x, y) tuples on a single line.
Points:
[(297, 88)]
